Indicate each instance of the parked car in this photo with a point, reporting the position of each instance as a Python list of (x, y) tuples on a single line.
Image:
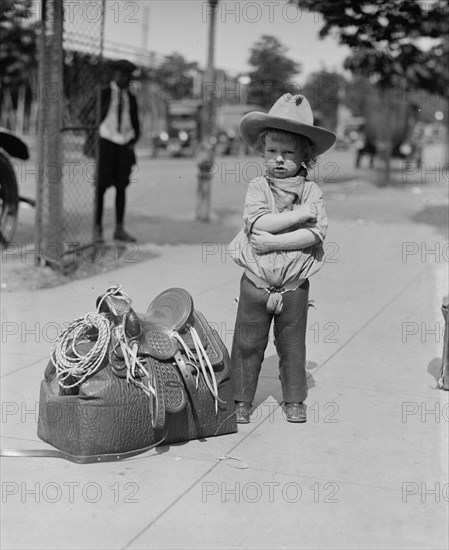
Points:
[(10, 146), (181, 136)]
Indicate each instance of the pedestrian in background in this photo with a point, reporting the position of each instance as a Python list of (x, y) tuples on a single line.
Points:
[(118, 133), (280, 247)]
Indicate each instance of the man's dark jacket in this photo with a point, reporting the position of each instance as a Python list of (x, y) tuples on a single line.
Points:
[(105, 101)]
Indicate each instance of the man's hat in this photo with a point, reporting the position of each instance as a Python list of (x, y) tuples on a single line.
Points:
[(291, 113), (123, 65)]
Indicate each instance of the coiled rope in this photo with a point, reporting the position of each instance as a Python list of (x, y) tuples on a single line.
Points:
[(68, 362)]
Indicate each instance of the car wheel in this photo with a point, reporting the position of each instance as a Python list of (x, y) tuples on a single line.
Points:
[(9, 200)]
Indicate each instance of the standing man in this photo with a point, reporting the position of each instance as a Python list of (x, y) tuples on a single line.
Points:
[(119, 131)]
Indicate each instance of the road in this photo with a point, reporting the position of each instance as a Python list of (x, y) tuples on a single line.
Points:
[(161, 197)]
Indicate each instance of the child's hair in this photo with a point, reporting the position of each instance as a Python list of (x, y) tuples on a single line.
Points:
[(281, 135)]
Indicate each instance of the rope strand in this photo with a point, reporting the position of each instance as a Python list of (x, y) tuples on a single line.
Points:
[(67, 360), (81, 366)]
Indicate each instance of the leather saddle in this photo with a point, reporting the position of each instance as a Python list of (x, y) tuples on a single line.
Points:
[(165, 351)]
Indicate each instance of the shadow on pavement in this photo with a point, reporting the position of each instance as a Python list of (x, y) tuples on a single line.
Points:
[(270, 384), (162, 230), (435, 215), (434, 368)]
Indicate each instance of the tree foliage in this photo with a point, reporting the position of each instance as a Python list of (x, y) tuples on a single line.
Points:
[(273, 71), (175, 75), (390, 39), (399, 45), (357, 93), (324, 89), (18, 40)]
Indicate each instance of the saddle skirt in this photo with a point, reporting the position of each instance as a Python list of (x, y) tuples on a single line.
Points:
[(164, 351)]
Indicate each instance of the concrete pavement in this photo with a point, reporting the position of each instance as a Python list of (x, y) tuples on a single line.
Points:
[(368, 470)]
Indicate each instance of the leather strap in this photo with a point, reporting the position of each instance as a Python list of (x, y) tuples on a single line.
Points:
[(157, 402), (55, 453), (192, 390)]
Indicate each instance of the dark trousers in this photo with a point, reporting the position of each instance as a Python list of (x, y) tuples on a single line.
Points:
[(114, 169), (251, 338)]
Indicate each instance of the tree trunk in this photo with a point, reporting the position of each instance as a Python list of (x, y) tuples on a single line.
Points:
[(385, 145)]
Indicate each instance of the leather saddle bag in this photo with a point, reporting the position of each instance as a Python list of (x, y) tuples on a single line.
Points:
[(120, 381)]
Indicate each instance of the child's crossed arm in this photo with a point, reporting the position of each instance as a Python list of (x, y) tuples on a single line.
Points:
[(264, 238), (262, 241), (283, 220)]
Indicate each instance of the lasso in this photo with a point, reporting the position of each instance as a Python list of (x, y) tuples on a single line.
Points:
[(76, 365)]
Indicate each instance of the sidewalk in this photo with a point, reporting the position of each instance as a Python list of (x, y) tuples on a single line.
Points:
[(368, 470)]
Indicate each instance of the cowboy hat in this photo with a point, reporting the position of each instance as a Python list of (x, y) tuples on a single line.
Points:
[(123, 65), (291, 113)]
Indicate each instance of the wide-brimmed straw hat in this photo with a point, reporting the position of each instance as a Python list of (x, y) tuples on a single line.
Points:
[(291, 113)]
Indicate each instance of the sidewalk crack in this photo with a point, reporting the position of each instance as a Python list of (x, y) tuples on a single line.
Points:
[(372, 318)]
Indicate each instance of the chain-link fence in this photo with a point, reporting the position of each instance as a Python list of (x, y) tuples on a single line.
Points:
[(70, 63)]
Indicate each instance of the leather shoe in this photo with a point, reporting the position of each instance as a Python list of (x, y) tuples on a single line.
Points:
[(296, 412), (121, 235), (242, 412)]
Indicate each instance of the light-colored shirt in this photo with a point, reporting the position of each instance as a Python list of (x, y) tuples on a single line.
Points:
[(109, 126), (282, 267)]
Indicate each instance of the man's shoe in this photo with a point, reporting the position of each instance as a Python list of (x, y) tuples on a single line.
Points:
[(296, 412), (98, 234), (242, 412), (121, 235)]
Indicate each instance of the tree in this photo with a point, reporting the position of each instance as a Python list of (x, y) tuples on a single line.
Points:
[(18, 40), (388, 39), (175, 75), (273, 71), (323, 89), (357, 93), (18, 64)]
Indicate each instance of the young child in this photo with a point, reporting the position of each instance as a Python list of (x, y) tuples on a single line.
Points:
[(280, 247)]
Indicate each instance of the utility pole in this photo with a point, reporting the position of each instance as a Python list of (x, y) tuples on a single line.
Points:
[(145, 27), (206, 155)]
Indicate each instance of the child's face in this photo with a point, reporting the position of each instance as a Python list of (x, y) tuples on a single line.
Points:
[(283, 157)]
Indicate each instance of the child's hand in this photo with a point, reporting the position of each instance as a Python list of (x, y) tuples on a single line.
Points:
[(307, 212), (262, 241)]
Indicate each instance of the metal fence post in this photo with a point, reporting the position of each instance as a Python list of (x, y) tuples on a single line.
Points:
[(70, 56), (50, 198)]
